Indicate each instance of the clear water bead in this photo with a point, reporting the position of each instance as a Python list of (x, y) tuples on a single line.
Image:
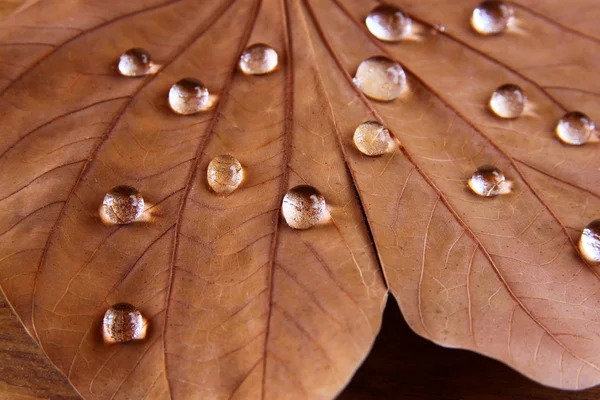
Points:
[(508, 101), (388, 23), (380, 78), (489, 181), (123, 323), (492, 17), (224, 174), (122, 205), (372, 138), (135, 62), (188, 96), (589, 243), (258, 59), (303, 206), (575, 128)]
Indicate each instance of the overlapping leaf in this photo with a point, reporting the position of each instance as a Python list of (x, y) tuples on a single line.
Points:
[(240, 305)]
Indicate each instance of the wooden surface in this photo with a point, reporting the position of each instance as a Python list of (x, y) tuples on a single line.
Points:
[(400, 366), (24, 371)]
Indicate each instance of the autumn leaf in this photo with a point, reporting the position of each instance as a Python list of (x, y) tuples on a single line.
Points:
[(239, 304)]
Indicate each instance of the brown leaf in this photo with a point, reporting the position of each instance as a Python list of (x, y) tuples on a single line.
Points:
[(240, 305)]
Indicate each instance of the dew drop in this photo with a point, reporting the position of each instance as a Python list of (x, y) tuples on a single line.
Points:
[(224, 174), (122, 205), (188, 96), (508, 101), (380, 78), (489, 181), (135, 62), (492, 17), (575, 128), (589, 243), (388, 23), (372, 138), (303, 206), (122, 323), (258, 59)]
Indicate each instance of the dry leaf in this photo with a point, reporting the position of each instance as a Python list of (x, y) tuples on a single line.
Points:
[(240, 305)]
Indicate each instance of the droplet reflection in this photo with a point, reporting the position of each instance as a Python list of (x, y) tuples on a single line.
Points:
[(388, 23), (122, 205), (224, 174), (589, 243), (135, 62), (123, 323), (575, 128), (189, 96), (303, 207), (372, 138), (508, 101), (258, 59), (380, 78), (489, 181), (492, 17)]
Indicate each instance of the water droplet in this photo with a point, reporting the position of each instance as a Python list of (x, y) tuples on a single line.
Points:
[(135, 62), (492, 17), (258, 59), (224, 174), (122, 205), (388, 23), (575, 128), (489, 181), (380, 78), (122, 323), (303, 206), (372, 138), (589, 243), (508, 101), (188, 96)]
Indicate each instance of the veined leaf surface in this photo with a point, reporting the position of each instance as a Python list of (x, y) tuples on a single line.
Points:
[(240, 305)]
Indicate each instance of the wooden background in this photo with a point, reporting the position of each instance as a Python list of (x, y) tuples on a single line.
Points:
[(401, 365)]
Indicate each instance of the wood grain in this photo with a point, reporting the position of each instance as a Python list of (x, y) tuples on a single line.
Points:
[(25, 373)]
